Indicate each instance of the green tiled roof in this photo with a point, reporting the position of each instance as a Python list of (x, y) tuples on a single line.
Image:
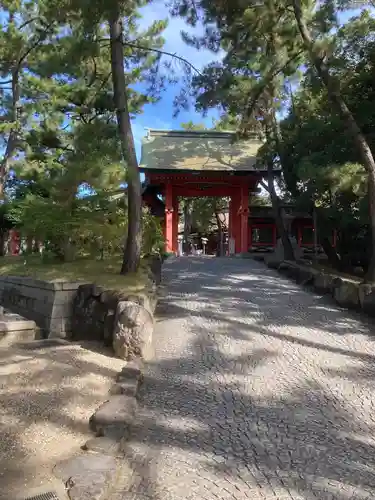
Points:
[(198, 150)]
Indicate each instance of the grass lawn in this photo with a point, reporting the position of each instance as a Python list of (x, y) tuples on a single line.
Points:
[(89, 270)]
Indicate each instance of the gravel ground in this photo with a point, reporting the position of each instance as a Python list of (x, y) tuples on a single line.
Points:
[(46, 398), (258, 390)]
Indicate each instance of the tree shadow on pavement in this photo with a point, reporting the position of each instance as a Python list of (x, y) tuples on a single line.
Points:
[(47, 396), (273, 299), (306, 442), (241, 412)]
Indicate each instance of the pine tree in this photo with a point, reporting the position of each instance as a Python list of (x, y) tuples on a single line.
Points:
[(134, 238), (248, 84), (319, 53), (23, 31), (113, 14), (69, 134), (322, 163), (267, 42)]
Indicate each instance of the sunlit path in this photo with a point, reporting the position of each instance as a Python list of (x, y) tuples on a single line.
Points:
[(259, 389)]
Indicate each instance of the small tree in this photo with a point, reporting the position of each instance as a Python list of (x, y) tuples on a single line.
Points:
[(24, 30), (318, 51), (153, 238), (67, 54)]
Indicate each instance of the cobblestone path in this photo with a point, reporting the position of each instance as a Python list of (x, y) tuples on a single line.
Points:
[(258, 390)]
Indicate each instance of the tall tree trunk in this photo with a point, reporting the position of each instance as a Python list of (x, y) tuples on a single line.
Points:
[(29, 244), (332, 255), (219, 223), (334, 94), (3, 236), (132, 251), (273, 135), (187, 225), (276, 206), (12, 137)]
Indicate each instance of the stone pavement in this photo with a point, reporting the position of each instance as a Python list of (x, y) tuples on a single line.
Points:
[(258, 390)]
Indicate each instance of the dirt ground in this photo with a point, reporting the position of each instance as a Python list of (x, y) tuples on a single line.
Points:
[(47, 396)]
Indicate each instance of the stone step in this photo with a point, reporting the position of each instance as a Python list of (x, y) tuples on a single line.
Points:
[(88, 477), (14, 329), (114, 417)]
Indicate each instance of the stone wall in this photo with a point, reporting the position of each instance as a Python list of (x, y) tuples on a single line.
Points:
[(49, 304), (81, 311), (346, 292), (118, 319)]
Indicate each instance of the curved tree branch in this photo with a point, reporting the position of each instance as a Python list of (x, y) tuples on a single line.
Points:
[(166, 53), (158, 51), (275, 70)]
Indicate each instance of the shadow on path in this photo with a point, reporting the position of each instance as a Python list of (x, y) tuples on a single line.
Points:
[(259, 389)]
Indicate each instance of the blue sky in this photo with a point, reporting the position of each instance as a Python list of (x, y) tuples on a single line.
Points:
[(160, 115)]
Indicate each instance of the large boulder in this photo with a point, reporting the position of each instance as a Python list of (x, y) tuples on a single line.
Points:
[(279, 250), (258, 257), (114, 417), (148, 300), (95, 310), (324, 283), (301, 274), (133, 330), (154, 264), (346, 293), (366, 294), (289, 269), (272, 262), (305, 275)]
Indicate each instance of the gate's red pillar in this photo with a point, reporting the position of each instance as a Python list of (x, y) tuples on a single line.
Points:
[(230, 224), (15, 242), (168, 218), (175, 224), (244, 219), (230, 220)]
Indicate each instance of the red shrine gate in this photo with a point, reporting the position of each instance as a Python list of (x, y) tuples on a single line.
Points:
[(187, 185), (200, 164)]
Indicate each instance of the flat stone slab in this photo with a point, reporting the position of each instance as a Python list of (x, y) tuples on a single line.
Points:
[(346, 293), (132, 370), (114, 417), (44, 343), (129, 387), (366, 295), (17, 337), (103, 444), (88, 476), (16, 325)]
